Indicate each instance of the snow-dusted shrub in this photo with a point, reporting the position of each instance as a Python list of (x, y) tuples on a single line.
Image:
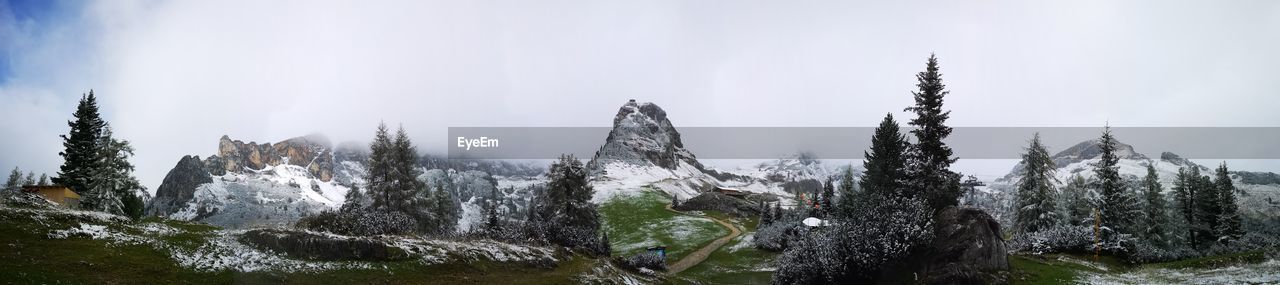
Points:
[(881, 234), (24, 200), (359, 222), (1057, 239), (312, 246), (776, 235), (643, 260)]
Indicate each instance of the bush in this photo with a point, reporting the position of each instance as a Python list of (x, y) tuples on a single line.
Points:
[(1057, 239), (643, 260), (359, 222)]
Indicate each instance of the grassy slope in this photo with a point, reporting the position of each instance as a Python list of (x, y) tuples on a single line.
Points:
[(1051, 269), (29, 257), (641, 220), (729, 266)]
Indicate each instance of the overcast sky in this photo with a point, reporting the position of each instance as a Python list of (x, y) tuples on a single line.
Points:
[(172, 77)]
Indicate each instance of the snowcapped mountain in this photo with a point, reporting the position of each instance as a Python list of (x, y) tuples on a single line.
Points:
[(251, 184), (1258, 198), (1080, 158), (644, 150)]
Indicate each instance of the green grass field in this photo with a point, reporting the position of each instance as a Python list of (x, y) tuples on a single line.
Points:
[(737, 262), (640, 220), (31, 257)]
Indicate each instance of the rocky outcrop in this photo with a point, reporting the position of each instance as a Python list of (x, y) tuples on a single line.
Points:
[(966, 249), (740, 207), (312, 152), (179, 186), (642, 135)]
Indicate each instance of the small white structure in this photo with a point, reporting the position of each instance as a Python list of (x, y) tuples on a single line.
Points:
[(815, 222)]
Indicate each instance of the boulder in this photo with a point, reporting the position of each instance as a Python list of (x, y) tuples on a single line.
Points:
[(179, 186), (967, 248)]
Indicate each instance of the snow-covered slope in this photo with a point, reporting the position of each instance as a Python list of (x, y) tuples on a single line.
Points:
[(273, 196)]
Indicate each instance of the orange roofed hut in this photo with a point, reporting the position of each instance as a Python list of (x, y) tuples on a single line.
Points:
[(57, 194)]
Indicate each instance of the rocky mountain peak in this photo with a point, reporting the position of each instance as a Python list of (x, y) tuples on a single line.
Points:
[(314, 152), (1174, 159), (642, 135)]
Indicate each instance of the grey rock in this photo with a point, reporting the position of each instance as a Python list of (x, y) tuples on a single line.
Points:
[(179, 186)]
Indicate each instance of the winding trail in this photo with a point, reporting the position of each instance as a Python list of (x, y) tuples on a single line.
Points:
[(701, 254)]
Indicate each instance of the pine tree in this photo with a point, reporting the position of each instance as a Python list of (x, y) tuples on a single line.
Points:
[(15, 180), (491, 210), (81, 145), (1116, 206), (1207, 211), (112, 187), (929, 160), (828, 193), (846, 206), (44, 180), (1155, 210), (1037, 206), (1184, 196), (446, 210), (606, 248), (1228, 226), (30, 180), (766, 215), (885, 164), (1077, 201), (378, 178), (355, 200), (405, 173)]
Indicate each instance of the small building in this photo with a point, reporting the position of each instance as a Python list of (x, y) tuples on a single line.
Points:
[(660, 250), (57, 194), (732, 192)]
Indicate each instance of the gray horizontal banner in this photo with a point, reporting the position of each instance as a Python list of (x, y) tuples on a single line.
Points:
[(850, 142)]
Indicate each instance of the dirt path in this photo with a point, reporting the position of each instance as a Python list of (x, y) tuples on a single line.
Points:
[(701, 254)]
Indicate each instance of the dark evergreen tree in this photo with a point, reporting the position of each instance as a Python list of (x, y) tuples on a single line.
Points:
[(1207, 209), (446, 211), (44, 180), (606, 248), (404, 171), (81, 145), (1036, 203), (355, 200), (1228, 226), (379, 177), (492, 222), (766, 214), (885, 164), (846, 205), (1155, 211), (828, 194), (929, 161), (563, 212), (1118, 208), (1184, 189)]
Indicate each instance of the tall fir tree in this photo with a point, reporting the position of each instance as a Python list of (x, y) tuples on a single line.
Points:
[(81, 145), (44, 180), (1156, 218), (1184, 197), (446, 210), (885, 164), (1117, 206), (929, 161), (847, 204), (113, 188), (1207, 209), (404, 162), (15, 180), (1228, 226), (1036, 199), (379, 177), (492, 222), (828, 194)]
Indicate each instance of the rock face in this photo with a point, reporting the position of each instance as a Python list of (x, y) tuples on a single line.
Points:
[(748, 207), (179, 186), (642, 135), (312, 152), (966, 249)]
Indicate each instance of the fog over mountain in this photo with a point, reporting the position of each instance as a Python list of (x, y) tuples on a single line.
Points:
[(173, 77)]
